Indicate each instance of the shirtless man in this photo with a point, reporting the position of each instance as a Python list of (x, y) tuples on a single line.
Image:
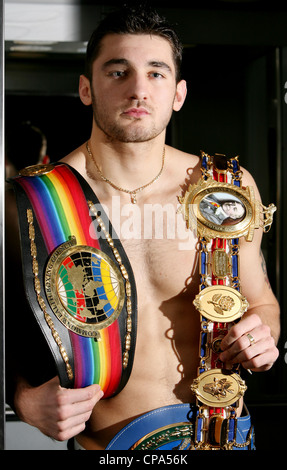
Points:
[(134, 87)]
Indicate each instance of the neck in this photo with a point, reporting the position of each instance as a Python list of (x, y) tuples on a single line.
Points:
[(130, 167)]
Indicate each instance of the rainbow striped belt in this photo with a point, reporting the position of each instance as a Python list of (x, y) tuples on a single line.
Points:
[(78, 280)]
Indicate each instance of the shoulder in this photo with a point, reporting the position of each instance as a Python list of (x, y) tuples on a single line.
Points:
[(183, 157), (248, 180), (183, 163), (75, 159)]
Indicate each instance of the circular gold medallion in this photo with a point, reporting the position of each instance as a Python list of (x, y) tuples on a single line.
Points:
[(216, 387), (84, 288), (220, 304), (36, 170)]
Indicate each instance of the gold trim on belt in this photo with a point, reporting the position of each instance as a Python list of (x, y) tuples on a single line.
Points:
[(220, 211)]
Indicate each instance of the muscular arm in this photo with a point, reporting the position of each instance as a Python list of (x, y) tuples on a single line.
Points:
[(262, 320)]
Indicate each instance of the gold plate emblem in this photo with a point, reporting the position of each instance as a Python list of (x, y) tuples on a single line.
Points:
[(221, 264), (179, 433), (220, 210), (218, 388), (220, 304), (84, 288), (36, 170)]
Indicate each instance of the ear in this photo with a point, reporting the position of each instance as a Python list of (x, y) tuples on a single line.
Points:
[(85, 90), (181, 91)]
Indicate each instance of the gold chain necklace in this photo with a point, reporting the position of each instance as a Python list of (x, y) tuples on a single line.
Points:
[(132, 192)]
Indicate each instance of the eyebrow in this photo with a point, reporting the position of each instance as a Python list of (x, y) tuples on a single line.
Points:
[(152, 63), (115, 62), (160, 65)]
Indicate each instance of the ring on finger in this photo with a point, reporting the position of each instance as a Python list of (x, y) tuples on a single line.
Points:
[(251, 339)]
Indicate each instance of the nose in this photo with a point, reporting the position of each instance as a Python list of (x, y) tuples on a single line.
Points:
[(138, 87)]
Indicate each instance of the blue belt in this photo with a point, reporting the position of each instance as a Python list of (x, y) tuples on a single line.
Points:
[(172, 428)]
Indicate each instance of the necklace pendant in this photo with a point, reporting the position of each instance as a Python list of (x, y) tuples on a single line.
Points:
[(134, 192)]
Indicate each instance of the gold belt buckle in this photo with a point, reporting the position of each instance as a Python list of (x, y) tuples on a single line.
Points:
[(218, 388)]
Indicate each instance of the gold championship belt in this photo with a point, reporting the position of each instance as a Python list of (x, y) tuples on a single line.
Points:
[(221, 211)]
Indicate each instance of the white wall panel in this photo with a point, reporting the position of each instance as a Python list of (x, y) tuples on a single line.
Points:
[(42, 22)]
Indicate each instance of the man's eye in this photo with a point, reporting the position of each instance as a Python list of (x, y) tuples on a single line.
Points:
[(117, 74), (156, 75)]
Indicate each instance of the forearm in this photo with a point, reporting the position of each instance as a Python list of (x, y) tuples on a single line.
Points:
[(26, 402)]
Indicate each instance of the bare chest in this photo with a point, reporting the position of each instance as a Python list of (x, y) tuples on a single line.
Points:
[(160, 248), (168, 324), (161, 269)]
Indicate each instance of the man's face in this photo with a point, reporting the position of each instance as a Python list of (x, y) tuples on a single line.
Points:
[(134, 88), (233, 209)]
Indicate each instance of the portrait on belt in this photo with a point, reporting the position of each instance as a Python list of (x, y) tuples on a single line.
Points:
[(222, 208)]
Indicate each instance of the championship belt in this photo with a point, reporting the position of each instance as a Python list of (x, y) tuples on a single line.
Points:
[(221, 211), (78, 279), (172, 428)]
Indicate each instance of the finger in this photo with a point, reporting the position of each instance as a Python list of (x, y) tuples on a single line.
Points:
[(259, 356), (262, 362), (67, 410), (67, 428), (70, 433), (257, 352), (63, 433), (241, 344), (245, 325), (63, 430), (71, 418), (67, 395), (62, 424), (244, 342)]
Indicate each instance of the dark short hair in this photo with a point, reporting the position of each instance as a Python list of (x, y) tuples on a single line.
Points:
[(133, 20)]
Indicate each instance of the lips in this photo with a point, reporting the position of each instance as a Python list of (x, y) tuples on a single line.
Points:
[(136, 112)]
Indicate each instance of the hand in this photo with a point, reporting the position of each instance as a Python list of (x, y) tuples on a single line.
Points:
[(257, 354), (57, 412)]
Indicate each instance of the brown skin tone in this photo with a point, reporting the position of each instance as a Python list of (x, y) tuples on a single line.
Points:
[(133, 93)]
